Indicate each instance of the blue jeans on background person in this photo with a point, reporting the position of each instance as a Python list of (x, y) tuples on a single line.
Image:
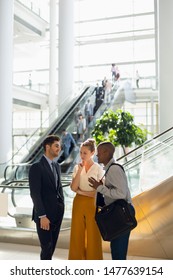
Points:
[(66, 150)]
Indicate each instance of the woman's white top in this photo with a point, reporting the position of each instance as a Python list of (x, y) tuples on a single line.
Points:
[(95, 171)]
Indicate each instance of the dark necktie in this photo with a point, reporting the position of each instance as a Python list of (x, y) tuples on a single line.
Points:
[(54, 173), (56, 178)]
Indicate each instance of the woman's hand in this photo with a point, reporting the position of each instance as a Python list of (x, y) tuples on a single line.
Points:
[(81, 165)]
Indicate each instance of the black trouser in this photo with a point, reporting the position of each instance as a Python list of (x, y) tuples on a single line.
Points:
[(48, 238), (119, 246)]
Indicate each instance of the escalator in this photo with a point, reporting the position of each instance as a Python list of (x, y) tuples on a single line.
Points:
[(33, 150), (16, 175), (65, 120), (149, 170), (20, 170)]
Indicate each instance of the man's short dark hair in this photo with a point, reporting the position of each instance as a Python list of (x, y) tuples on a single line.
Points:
[(49, 140), (107, 145)]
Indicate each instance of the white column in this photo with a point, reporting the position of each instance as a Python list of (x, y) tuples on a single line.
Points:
[(66, 50), (165, 41), (53, 62), (6, 62)]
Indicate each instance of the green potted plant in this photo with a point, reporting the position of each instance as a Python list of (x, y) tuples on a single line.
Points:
[(119, 128)]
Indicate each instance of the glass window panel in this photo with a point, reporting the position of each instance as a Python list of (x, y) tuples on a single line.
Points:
[(116, 52), (91, 9), (144, 49), (141, 22), (93, 74), (118, 34), (141, 6), (145, 69), (113, 25)]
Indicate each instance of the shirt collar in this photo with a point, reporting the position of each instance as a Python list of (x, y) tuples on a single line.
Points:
[(108, 164), (48, 159)]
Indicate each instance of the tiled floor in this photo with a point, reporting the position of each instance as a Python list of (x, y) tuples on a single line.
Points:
[(10, 251)]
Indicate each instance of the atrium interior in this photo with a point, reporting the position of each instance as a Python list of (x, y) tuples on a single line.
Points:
[(59, 52)]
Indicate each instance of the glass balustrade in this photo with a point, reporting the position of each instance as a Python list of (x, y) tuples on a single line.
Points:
[(146, 167), (20, 205), (150, 164)]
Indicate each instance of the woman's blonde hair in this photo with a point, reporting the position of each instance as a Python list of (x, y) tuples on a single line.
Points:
[(90, 144)]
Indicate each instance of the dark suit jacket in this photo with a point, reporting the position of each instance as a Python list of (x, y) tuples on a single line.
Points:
[(43, 190)]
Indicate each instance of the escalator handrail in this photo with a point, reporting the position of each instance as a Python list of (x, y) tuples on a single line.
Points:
[(138, 157), (146, 142), (28, 159), (35, 132), (56, 123)]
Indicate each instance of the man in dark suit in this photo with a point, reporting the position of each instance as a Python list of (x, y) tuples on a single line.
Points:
[(47, 196)]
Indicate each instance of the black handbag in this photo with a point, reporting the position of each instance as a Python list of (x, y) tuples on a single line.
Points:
[(115, 219)]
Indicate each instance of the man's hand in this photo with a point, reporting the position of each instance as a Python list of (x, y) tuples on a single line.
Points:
[(45, 223), (93, 183)]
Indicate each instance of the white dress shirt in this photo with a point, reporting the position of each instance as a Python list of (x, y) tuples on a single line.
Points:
[(115, 184)]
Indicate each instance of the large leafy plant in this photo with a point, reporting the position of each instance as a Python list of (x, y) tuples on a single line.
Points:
[(119, 128)]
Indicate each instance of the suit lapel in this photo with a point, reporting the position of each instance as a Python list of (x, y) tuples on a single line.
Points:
[(48, 169)]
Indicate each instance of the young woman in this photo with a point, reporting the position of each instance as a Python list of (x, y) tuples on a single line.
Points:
[(85, 239)]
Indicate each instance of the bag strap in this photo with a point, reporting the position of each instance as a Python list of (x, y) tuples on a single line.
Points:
[(114, 163), (100, 198)]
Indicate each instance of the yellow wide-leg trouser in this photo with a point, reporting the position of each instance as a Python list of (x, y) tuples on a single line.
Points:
[(85, 238)]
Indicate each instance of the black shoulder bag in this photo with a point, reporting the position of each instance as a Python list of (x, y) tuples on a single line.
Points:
[(115, 219)]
